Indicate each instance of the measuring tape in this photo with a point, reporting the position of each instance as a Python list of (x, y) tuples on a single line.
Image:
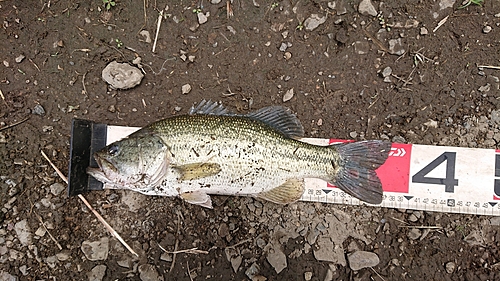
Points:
[(429, 178), (419, 177)]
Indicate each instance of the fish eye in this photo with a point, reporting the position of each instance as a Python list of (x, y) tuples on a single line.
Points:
[(113, 150)]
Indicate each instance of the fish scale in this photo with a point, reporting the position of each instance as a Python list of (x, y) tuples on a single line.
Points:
[(245, 149)]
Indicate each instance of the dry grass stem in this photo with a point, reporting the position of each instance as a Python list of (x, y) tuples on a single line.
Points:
[(99, 217)]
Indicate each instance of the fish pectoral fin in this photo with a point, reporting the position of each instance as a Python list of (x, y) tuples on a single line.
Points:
[(197, 198), (196, 171), (288, 192)]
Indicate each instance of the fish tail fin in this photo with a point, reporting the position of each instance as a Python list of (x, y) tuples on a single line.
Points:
[(357, 164)]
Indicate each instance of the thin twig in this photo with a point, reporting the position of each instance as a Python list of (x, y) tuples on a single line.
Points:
[(160, 17), (99, 217), (401, 221), (440, 23), (239, 243), (45, 227), (422, 226), (186, 251), (83, 83), (176, 242), (189, 271), (377, 274), (15, 124), (489, 66), (34, 64), (3, 98)]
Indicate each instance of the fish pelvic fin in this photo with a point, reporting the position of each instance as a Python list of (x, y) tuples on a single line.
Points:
[(196, 171), (357, 163), (197, 198), (288, 192)]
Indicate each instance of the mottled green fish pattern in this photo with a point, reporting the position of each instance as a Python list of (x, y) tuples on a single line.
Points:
[(213, 151)]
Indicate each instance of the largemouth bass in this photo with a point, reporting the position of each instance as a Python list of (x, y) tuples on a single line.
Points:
[(213, 151)]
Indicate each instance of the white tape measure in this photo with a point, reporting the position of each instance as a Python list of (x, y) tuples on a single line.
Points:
[(418, 177)]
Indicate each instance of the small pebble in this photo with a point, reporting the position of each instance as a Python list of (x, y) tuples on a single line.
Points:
[(308, 276), (414, 234), (387, 71), (450, 267), (20, 58), (186, 88), (424, 31), (39, 110), (487, 29)]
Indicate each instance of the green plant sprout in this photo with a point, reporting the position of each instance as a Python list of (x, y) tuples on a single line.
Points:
[(111, 3), (469, 2), (197, 11), (119, 43), (276, 4), (300, 26)]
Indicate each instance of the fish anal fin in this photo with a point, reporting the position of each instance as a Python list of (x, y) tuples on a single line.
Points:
[(196, 171), (288, 192), (197, 198)]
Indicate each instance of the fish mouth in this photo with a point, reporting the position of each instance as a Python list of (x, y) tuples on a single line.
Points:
[(105, 168)]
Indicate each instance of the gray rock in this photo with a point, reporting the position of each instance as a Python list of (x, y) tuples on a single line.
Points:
[(313, 21), (38, 110), (387, 71), (253, 273), (20, 58), (202, 18), (495, 221), (62, 256), (450, 267), (328, 252), (444, 4), (495, 116), (5, 276), (51, 261), (414, 234), (484, 89), (97, 273), (276, 258), (23, 232), (396, 47), (145, 34), (24, 269), (233, 256), (339, 6), (97, 250), (186, 88), (148, 272), (215, 1), (283, 47), (57, 188), (122, 75), (366, 8), (487, 29), (362, 259)]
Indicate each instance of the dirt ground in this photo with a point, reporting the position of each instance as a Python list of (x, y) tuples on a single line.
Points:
[(355, 76)]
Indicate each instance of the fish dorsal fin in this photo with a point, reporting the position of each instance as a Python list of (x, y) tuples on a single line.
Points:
[(281, 119), (209, 107), (278, 117)]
